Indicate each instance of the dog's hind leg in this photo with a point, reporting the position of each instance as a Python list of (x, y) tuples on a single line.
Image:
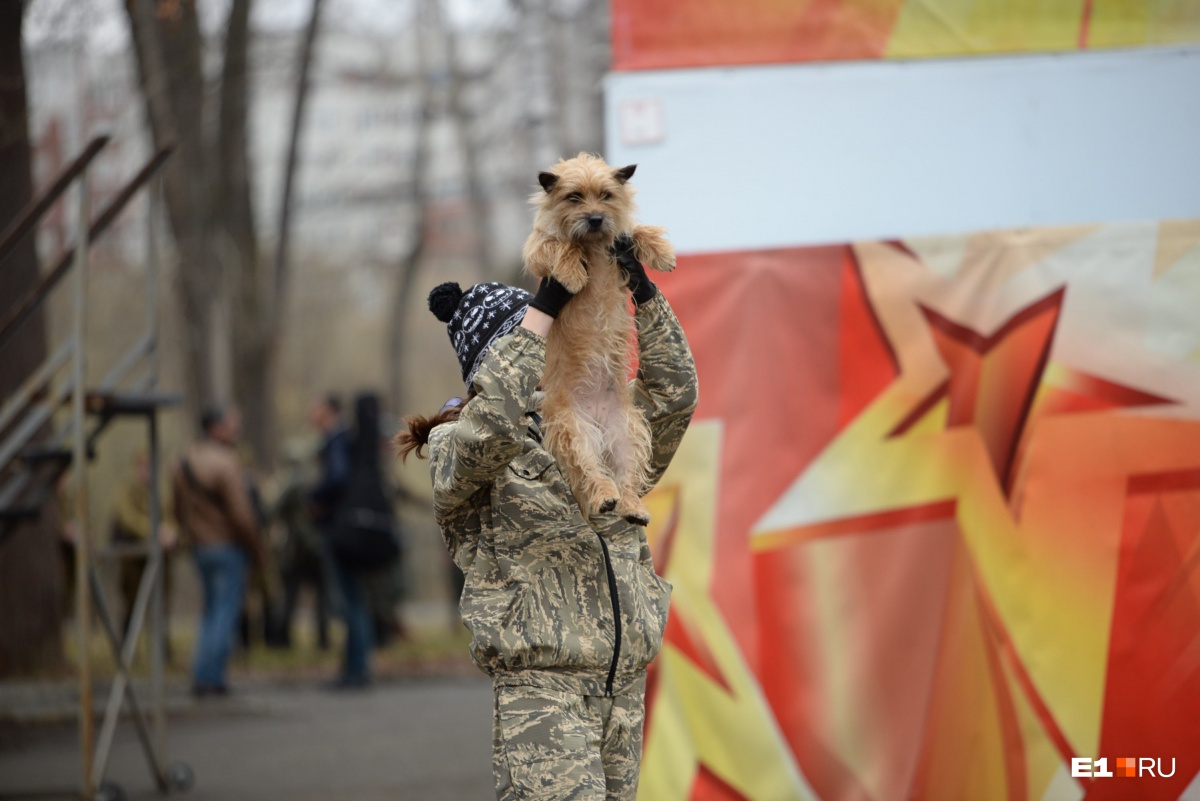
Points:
[(630, 452), (576, 442)]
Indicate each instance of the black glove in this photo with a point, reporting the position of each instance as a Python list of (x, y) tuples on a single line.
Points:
[(551, 297), (640, 285)]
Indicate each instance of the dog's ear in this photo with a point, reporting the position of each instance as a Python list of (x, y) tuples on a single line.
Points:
[(547, 180), (624, 174)]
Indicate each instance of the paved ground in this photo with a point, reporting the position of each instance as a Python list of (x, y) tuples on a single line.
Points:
[(424, 740)]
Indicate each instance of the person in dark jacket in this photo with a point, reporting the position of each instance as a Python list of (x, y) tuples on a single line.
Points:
[(334, 459), (565, 609), (301, 559)]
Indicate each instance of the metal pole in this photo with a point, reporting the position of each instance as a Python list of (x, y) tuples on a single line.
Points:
[(157, 609), (83, 551), (158, 629), (154, 220)]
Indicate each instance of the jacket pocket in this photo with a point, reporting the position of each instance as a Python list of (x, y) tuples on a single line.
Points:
[(647, 618), (529, 496), (493, 615), (555, 624), (542, 745), (531, 464)]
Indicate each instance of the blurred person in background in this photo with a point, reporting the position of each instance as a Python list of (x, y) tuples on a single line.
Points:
[(216, 515), (362, 541), (334, 461), (384, 590), (300, 556), (261, 607), (131, 526), (388, 587)]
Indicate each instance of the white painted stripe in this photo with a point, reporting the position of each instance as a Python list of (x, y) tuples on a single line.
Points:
[(758, 157)]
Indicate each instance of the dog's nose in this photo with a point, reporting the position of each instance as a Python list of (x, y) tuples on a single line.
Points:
[(595, 221)]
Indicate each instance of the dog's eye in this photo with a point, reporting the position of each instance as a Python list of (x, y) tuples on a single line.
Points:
[(575, 197), (605, 195)]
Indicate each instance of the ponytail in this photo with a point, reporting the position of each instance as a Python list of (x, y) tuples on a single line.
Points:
[(419, 428)]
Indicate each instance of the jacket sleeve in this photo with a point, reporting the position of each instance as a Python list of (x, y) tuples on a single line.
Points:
[(665, 389), (469, 453)]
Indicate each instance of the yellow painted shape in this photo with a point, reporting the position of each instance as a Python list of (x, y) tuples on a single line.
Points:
[(695, 720), (955, 27)]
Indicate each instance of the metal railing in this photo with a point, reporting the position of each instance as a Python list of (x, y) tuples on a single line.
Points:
[(31, 462)]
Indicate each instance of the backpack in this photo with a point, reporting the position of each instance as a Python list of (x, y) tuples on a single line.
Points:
[(365, 535)]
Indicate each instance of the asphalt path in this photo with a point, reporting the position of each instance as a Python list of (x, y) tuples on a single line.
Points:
[(418, 740)]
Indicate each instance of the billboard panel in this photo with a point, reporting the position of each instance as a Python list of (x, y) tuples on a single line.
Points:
[(764, 157), (935, 531), (662, 34)]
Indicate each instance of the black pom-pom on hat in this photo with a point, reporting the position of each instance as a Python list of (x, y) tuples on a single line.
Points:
[(443, 300)]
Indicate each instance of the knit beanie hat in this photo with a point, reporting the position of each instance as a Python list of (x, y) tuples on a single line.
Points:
[(476, 317)]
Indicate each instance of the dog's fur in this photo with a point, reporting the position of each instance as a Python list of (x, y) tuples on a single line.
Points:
[(591, 424)]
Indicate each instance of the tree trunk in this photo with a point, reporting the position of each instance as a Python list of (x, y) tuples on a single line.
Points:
[(32, 600), (283, 248), (478, 210), (168, 45), (258, 367), (543, 135), (252, 323), (410, 261)]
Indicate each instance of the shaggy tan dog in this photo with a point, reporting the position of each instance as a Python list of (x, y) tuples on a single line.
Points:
[(591, 424)]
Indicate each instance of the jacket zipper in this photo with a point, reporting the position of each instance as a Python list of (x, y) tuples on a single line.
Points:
[(616, 610)]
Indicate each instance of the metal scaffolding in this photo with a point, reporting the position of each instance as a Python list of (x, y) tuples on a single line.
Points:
[(33, 458)]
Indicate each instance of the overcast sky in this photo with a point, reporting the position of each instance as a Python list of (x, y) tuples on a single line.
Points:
[(103, 21)]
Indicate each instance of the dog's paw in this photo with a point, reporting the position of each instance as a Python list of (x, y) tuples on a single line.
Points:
[(652, 248), (570, 270), (664, 265), (573, 280), (634, 512), (638, 518), (606, 506)]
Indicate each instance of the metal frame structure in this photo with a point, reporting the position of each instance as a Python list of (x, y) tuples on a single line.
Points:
[(30, 467)]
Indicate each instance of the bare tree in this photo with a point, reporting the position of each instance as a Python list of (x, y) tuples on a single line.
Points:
[(468, 148), (169, 48), (410, 260), (207, 186), (580, 54), (253, 315), (543, 128), (284, 228), (31, 580)]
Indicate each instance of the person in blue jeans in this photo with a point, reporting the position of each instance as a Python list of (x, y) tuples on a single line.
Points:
[(335, 459), (214, 510), (222, 571)]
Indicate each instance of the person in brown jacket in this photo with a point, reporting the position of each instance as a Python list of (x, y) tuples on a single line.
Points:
[(213, 509)]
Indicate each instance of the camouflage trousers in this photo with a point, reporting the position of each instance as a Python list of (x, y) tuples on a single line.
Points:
[(551, 745)]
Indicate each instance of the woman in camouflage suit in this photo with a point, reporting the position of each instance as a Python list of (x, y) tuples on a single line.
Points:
[(565, 611)]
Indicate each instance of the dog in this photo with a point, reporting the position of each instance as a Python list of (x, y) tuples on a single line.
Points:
[(591, 425)]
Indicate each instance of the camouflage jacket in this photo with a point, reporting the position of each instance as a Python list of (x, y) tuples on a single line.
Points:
[(553, 599)]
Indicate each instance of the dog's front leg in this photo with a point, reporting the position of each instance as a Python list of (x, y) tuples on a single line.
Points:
[(651, 248), (562, 261)]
